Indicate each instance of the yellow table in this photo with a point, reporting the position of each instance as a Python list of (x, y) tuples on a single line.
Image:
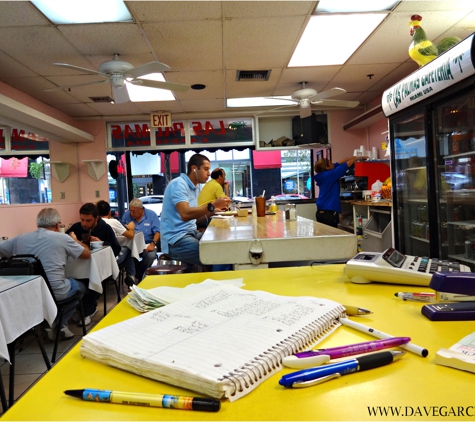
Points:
[(411, 386), (273, 239)]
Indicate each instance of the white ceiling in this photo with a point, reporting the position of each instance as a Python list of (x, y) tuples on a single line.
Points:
[(206, 42)]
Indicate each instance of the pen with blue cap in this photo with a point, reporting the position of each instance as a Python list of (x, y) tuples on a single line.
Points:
[(314, 376)]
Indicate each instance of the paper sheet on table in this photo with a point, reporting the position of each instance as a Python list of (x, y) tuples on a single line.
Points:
[(223, 217), (460, 356), (146, 300)]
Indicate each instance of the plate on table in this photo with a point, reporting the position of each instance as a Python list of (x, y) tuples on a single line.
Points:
[(232, 213)]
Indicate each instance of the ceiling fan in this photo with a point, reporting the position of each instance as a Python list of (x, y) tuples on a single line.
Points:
[(118, 72), (305, 97)]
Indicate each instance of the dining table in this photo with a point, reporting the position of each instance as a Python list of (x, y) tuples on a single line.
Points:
[(99, 267), (25, 301), (254, 242), (136, 244)]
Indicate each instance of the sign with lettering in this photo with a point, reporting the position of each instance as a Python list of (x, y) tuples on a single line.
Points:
[(221, 130), (130, 135), (27, 141), (451, 67), (160, 119)]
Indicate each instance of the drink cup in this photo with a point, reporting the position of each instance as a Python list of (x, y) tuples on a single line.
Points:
[(86, 239), (62, 228), (261, 206)]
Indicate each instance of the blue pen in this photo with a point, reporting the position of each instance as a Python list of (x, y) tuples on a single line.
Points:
[(313, 376)]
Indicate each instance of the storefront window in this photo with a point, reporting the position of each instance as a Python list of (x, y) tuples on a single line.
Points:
[(24, 167)]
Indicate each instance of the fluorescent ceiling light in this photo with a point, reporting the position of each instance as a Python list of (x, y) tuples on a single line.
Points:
[(139, 93), (83, 11), (352, 6), (332, 39), (257, 101)]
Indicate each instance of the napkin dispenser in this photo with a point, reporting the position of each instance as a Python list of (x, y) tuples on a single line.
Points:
[(452, 282)]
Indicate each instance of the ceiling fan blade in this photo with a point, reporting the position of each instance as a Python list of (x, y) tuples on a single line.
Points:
[(305, 112), (171, 86), (83, 69), (74, 86), (337, 103), (326, 94), (283, 99), (121, 95), (147, 69)]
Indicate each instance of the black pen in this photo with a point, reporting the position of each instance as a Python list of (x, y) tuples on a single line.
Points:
[(147, 400), (313, 376)]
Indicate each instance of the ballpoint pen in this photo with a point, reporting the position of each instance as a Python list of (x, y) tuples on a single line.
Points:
[(317, 357), (314, 376), (434, 297), (411, 347), (152, 400)]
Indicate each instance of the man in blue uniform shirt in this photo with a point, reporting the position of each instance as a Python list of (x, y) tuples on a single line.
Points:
[(147, 222), (327, 178)]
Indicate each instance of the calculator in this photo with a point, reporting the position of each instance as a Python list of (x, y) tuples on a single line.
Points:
[(392, 266)]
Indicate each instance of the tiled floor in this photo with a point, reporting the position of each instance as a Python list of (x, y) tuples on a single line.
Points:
[(29, 363)]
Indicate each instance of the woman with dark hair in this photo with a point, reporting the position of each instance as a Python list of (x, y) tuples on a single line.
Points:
[(327, 178)]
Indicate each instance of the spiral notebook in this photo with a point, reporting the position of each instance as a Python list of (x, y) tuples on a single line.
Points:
[(222, 342)]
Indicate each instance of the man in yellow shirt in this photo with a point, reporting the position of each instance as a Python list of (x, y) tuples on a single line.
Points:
[(215, 188)]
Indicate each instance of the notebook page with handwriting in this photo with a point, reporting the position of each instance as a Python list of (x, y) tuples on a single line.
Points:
[(222, 342)]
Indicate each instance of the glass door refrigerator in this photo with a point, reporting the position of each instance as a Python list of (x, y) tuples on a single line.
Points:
[(432, 144)]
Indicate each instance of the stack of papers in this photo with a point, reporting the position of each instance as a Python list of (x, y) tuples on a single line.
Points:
[(146, 300), (460, 356)]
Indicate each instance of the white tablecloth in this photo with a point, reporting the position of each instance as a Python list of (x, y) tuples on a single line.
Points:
[(25, 301), (101, 265), (136, 245)]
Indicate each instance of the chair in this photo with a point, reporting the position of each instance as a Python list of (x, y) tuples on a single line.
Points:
[(166, 266), (3, 397), (29, 264), (117, 282)]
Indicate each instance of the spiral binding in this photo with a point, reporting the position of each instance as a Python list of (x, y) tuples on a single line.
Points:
[(270, 361)]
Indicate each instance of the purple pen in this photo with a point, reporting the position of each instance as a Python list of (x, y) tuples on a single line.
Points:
[(317, 357)]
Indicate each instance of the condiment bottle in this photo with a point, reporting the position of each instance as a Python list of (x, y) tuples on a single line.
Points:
[(273, 206)]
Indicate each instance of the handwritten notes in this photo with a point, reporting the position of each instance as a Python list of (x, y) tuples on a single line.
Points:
[(222, 342)]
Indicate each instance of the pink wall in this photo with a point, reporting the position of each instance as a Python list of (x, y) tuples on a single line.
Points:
[(18, 219), (79, 187)]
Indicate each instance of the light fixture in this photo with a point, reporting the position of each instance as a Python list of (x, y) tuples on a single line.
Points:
[(316, 48), (80, 11), (258, 101), (352, 6)]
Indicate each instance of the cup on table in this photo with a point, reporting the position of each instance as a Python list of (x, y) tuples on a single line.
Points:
[(86, 239), (261, 206), (242, 212), (62, 228), (97, 244)]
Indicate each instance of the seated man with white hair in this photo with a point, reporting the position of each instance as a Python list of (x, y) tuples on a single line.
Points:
[(147, 222)]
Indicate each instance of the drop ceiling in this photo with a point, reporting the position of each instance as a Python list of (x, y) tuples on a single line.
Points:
[(207, 43)]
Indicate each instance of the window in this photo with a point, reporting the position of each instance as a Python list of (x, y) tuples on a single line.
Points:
[(24, 167)]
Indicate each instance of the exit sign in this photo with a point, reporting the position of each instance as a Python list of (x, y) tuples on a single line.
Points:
[(160, 119)]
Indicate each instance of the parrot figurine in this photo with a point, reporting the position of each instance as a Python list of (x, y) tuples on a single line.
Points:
[(422, 50)]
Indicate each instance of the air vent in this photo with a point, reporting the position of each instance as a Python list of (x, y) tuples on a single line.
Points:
[(252, 75), (102, 99)]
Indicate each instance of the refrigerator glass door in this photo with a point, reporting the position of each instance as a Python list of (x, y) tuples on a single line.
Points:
[(411, 191), (454, 123)]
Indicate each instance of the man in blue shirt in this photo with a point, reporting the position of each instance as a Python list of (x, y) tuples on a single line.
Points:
[(327, 178), (179, 236), (147, 222)]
